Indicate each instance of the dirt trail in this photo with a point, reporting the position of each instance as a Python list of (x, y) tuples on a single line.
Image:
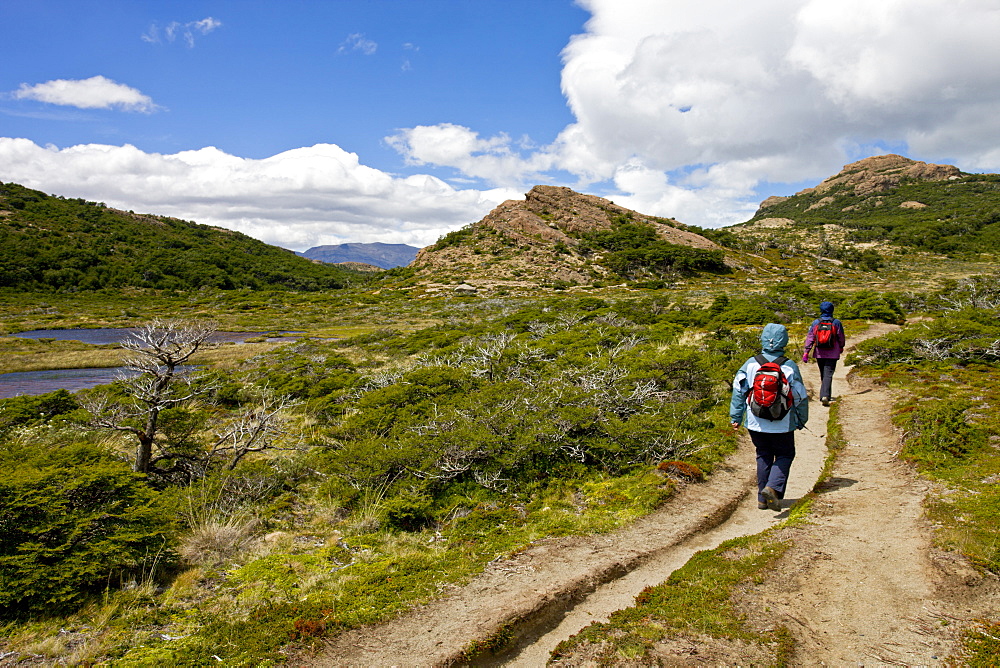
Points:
[(859, 584), (853, 588), (863, 583)]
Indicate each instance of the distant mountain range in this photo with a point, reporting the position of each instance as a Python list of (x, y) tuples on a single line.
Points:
[(381, 255)]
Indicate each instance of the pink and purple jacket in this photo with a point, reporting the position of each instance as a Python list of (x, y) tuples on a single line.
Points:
[(832, 353)]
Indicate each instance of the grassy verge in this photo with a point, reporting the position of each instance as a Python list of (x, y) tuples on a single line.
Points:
[(41, 354), (695, 601), (314, 581)]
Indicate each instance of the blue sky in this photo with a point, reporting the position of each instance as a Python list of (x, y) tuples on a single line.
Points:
[(266, 77), (308, 123)]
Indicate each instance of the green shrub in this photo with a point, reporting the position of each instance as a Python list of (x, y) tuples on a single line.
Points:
[(937, 431), (632, 249), (72, 522), (408, 513), (21, 411), (871, 305)]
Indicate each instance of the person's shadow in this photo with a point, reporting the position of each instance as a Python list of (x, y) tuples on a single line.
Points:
[(833, 484), (828, 485)]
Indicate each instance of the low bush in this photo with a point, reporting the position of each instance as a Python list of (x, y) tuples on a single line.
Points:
[(936, 431), (73, 521)]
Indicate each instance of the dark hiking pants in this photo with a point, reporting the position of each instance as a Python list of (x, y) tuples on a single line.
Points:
[(775, 453), (826, 369)]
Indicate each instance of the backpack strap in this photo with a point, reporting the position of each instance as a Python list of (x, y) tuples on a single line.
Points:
[(761, 360)]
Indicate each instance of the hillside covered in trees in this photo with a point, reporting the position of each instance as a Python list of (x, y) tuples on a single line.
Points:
[(54, 243)]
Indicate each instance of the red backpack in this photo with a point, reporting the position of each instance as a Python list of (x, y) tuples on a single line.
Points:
[(770, 396), (826, 334)]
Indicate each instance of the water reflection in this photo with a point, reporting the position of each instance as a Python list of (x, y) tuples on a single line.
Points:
[(40, 382)]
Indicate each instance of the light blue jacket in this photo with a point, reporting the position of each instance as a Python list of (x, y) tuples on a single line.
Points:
[(773, 340)]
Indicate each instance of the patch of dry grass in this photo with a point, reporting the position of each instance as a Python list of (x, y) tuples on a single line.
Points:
[(213, 542), (42, 354), (229, 356)]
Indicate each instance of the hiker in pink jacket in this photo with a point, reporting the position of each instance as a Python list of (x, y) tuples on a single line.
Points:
[(826, 339)]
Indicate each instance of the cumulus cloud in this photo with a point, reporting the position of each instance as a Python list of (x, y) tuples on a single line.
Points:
[(97, 92), (358, 42), (692, 107), (186, 32), (495, 159), (296, 199)]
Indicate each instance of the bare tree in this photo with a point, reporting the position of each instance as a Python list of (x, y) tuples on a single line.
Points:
[(156, 378), (253, 429)]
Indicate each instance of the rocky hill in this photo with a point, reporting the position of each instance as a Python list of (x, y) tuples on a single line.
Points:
[(886, 204), (556, 234)]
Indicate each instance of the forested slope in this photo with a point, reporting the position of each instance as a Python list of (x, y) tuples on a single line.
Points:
[(53, 243)]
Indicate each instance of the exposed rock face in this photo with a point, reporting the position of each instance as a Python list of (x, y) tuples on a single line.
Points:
[(530, 239), (775, 222), (882, 173), (823, 202), (555, 213), (771, 201)]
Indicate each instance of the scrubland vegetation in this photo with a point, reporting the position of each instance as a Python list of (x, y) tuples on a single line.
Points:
[(943, 369), (415, 449), (405, 438)]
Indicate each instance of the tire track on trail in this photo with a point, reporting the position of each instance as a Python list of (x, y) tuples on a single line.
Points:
[(556, 587)]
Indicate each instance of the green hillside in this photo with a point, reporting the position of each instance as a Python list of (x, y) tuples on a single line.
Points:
[(54, 243), (959, 216)]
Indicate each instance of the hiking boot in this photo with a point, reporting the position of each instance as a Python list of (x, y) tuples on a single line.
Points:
[(771, 499), (761, 505), (825, 401)]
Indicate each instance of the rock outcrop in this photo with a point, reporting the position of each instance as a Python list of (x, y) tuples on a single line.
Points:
[(882, 173), (533, 240)]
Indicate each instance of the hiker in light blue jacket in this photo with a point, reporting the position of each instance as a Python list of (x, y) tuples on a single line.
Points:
[(774, 440)]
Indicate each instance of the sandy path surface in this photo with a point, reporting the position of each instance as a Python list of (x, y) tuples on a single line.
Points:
[(857, 586), (540, 583)]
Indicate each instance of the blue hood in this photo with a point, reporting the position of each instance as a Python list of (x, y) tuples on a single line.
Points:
[(774, 338), (826, 308)]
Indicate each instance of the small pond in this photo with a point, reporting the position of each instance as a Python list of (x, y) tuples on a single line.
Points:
[(40, 382), (118, 334)]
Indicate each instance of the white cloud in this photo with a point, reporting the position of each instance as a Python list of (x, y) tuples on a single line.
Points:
[(725, 94), (495, 159), (700, 108), (97, 92), (186, 32), (296, 199), (358, 42)]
